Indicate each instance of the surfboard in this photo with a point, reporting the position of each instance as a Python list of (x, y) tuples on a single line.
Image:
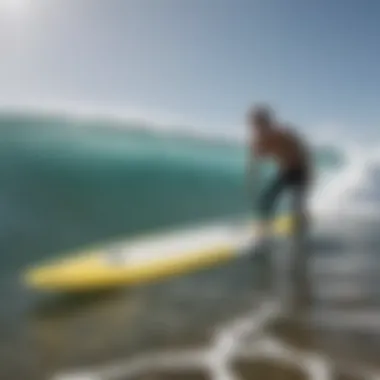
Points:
[(148, 258)]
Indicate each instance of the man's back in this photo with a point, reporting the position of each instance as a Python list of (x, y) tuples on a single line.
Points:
[(284, 145)]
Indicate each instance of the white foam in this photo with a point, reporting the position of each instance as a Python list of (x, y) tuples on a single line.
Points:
[(182, 243), (245, 338), (337, 193), (126, 117)]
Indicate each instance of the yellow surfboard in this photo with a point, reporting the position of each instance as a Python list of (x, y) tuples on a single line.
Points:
[(147, 258)]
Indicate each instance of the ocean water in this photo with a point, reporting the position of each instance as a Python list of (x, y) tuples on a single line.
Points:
[(67, 182)]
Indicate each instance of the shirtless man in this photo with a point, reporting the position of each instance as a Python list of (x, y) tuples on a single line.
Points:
[(293, 159)]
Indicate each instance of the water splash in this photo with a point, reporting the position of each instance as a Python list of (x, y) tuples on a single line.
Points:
[(243, 338)]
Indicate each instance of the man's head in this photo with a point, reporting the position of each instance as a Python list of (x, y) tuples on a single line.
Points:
[(261, 118)]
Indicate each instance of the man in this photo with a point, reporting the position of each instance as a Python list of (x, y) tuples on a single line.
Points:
[(292, 157)]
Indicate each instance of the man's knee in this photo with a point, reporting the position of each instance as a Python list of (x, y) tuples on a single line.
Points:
[(266, 205), (301, 220)]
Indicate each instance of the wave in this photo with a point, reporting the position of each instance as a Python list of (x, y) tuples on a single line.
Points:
[(354, 189), (69, 181)]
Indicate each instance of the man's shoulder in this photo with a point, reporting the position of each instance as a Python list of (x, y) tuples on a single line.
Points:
[(290, 131)]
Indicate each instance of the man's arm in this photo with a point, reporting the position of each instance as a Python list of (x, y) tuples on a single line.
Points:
[(254, 153)]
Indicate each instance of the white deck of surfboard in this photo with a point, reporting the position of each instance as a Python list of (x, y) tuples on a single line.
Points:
[(173, 245)]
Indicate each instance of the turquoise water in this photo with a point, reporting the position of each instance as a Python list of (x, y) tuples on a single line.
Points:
[(69, 182), (67, 185)]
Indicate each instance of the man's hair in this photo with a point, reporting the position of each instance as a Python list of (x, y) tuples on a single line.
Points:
[(262, 113)]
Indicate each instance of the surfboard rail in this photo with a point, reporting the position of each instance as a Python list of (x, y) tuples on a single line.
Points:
[(147, 258)]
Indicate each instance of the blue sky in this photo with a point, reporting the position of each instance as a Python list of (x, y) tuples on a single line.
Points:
[(317, 62)]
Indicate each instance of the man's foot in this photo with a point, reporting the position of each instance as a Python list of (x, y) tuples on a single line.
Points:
[(263, 245), (263, 229)]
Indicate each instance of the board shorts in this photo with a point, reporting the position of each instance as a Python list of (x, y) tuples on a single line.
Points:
[(296, 181)]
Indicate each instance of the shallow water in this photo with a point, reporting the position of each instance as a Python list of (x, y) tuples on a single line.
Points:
[(115, 330)]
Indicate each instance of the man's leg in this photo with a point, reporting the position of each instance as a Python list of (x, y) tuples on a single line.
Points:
[(299, 209), (300, 251), (300, 187), (267, 203)]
